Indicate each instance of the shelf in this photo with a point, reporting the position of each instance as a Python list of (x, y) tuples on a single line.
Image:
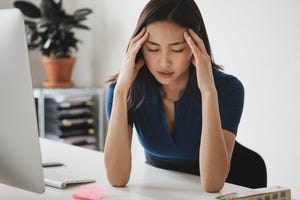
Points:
[(51, 103)]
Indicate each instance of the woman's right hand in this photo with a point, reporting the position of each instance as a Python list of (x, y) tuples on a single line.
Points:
[(130, 68)]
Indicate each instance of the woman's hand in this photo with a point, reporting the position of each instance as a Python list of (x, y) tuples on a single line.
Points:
[(201, 61), (130, 68)]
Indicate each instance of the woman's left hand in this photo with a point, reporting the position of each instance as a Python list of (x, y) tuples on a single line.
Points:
[(201, 60)]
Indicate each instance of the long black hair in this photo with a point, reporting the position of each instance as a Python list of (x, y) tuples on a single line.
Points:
[(184, 13)]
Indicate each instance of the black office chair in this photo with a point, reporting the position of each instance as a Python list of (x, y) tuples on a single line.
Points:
[(247, 169)]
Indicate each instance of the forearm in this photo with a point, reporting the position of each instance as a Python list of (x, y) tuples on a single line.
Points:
[(213, 160), (117, 152)]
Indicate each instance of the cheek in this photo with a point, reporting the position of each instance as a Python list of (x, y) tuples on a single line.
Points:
[(186, 58), (189, 53), (149, 58)]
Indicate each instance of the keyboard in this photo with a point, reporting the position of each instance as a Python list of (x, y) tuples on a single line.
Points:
[(58, 179)]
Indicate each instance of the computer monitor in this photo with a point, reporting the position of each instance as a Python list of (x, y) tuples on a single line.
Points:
[(20, 155)]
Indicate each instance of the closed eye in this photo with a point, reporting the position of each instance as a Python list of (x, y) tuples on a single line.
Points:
[(152, 50), (178, 51)]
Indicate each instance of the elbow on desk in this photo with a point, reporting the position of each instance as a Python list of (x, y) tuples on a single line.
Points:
[(118, 182), (118, 176), (212, 186), (117, 179), (212, 189)]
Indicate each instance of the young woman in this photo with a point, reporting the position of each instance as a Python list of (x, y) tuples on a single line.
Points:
[(185, 110)]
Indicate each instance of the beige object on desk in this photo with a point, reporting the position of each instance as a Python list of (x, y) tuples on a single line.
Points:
[(146, 182)]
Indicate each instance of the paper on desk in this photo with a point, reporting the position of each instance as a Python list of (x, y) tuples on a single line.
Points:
[(274, 193), (89, 193)]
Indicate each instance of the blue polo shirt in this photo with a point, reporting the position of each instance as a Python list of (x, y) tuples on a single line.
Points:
[(183, 145)]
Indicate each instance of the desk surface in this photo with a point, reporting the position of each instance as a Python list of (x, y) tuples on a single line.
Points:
[(146, 182)]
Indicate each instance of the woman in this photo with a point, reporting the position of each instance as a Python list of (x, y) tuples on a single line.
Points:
[(185, 110)]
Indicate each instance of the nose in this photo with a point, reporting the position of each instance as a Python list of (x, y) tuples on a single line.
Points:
[(165, 60)]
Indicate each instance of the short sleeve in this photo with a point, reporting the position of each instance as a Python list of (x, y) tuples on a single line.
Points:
[(109, 103), (231, 105)]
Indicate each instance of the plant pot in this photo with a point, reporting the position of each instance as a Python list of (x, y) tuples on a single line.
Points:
[(58, 72)]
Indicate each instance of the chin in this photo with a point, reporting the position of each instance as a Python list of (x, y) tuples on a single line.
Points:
[(164, 81)]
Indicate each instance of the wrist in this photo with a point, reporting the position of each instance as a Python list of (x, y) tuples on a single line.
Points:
[(209, 92), (120, 91), (208, 87)]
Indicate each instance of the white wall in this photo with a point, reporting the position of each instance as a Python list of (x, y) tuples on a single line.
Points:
[(256, 40)]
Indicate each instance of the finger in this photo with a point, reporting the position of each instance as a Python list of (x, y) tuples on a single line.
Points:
[(137, 37), (137, 46), (191, 43), (199, 42)]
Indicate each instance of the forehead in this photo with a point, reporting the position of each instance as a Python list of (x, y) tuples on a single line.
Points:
[(165, 32)]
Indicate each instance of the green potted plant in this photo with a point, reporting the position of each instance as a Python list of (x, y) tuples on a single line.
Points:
[(51, 30)]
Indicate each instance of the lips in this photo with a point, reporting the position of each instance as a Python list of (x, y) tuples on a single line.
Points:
[(165, 74)]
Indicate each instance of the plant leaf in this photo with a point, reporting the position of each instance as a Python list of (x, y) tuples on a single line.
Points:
[(47, 43), (30, 24), (28, 9), (44, 23), (33, 46), (60, 4), (32, 36), (81, 26), (82, 12), (81, 19), (53, 33), (51, 10)]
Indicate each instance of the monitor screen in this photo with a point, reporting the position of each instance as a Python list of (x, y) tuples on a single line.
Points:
[(20, 156)]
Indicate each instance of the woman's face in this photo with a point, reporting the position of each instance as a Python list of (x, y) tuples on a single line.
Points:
[(166, 53)]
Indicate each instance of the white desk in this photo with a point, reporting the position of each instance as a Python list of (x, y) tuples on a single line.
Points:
[(146, 182)]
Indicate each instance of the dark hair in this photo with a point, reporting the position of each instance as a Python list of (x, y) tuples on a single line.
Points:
[(186, 14)]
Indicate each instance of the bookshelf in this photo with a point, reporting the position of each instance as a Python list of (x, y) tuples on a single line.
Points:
[(73, 115)]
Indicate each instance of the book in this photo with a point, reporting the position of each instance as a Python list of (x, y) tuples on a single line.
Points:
[(73, 127), (78, 132), (75, 113), (270, 193), (73, 122), (68, 105)]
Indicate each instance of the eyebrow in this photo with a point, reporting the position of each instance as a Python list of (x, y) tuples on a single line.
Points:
[(172, 44)]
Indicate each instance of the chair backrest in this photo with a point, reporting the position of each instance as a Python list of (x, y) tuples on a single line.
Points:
[(247, 169)]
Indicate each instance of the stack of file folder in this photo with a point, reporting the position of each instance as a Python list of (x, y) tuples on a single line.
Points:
[(71, 119)]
